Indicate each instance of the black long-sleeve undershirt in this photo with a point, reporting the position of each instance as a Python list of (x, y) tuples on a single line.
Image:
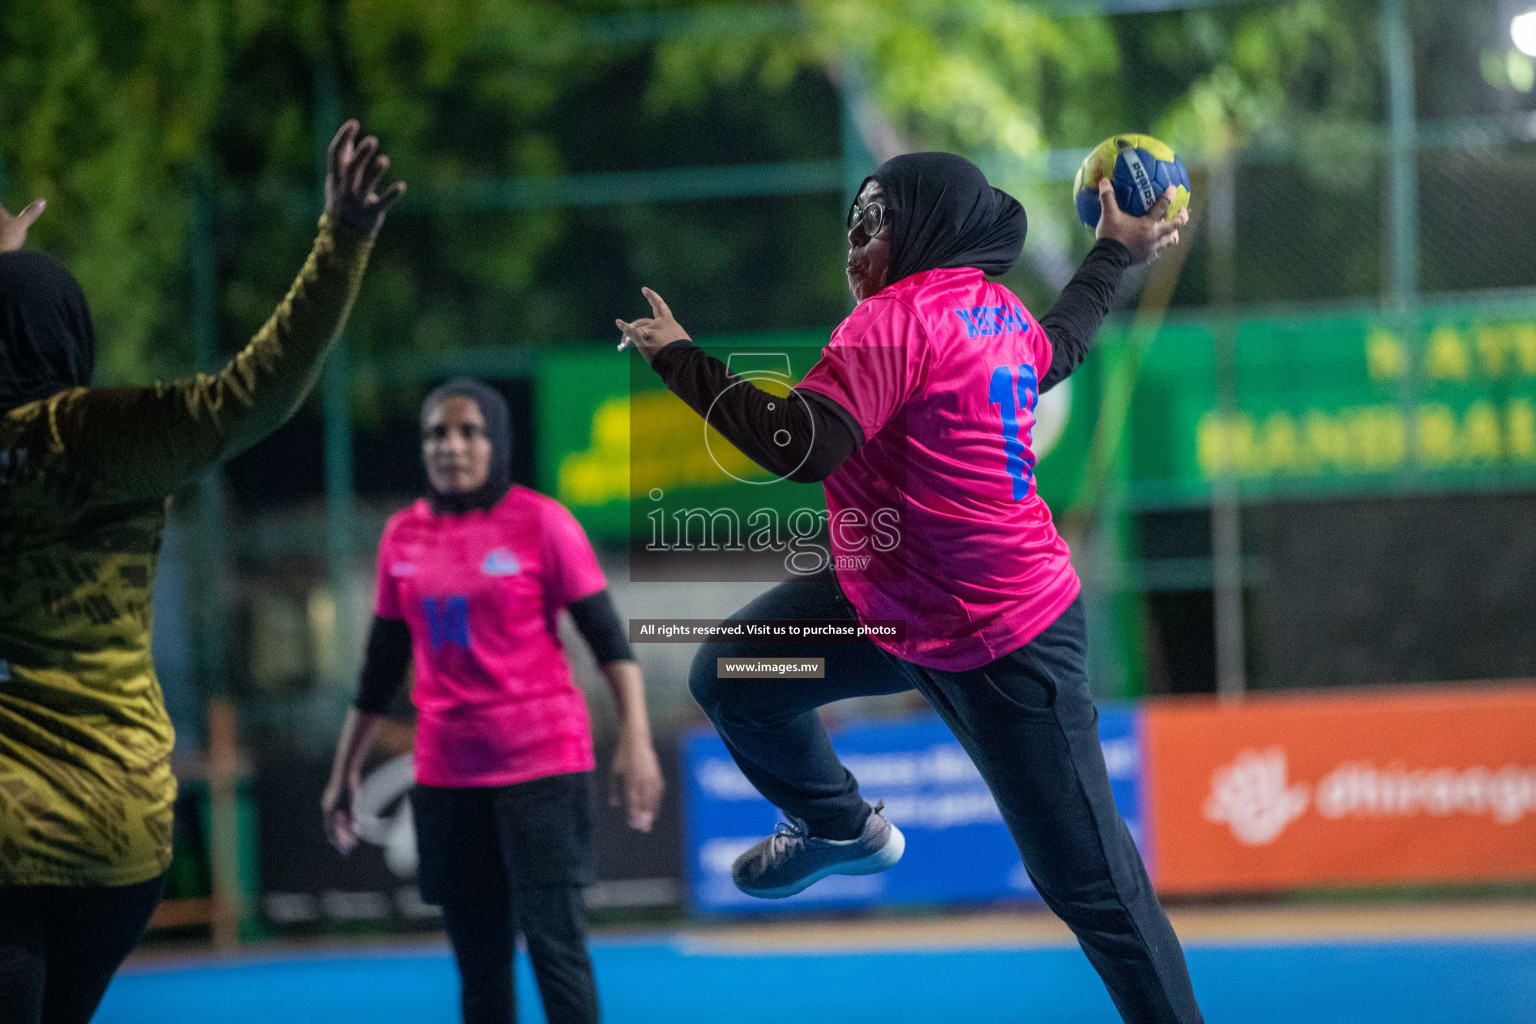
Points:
[(598, 623), (803, 437), (806, 437), (1080, 309), (385, 660), (388, 653)]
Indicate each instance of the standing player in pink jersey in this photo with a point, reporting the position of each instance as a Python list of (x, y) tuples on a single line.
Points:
[(918, 419), (474, 579)]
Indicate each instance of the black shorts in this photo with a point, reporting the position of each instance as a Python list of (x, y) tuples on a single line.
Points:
[(528, 835), (61, 944)]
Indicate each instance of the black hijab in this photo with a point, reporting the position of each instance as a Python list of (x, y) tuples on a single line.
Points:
[(47, 343), (944, 214), (498, 430)]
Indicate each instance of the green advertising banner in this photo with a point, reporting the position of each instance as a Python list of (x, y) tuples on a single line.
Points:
[(1353, 402), (1343, 403)]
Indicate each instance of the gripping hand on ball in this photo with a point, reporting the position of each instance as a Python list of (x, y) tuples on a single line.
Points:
[(651, 334), (1147, 236)]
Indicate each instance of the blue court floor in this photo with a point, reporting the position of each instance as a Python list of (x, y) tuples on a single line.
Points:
[(659, 981)]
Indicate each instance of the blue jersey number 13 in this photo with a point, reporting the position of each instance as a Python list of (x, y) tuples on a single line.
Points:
[(1012, 397)]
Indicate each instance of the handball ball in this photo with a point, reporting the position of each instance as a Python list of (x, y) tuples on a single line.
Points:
[(1139, 167)]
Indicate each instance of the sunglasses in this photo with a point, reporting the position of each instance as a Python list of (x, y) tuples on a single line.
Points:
[(870, 219)]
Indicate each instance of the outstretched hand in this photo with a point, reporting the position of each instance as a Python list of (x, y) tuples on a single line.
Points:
[(1145, 236), (353, 171), (653, 333), (13, 229)]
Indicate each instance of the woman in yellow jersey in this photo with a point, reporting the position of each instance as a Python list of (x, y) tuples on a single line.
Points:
[(85, 780)]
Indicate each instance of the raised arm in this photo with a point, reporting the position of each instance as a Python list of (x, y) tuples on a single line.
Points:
[(1083, 304), (1081, 307), (139, 442), (803, 439)]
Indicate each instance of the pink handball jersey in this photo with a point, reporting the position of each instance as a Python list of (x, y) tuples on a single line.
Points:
[(482, 593), (935, 521)]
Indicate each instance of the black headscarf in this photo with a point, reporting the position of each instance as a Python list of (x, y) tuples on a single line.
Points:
[(498, 430), (47, 343), (944, 214)]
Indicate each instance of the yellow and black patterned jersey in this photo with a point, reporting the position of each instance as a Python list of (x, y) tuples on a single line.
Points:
[(85, 779)]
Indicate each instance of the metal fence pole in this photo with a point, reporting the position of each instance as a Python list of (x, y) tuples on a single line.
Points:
[(857, 159), (336, 403), (213, 646), (212, 615), (1402, 289), (1226, 509), (1397, 53)]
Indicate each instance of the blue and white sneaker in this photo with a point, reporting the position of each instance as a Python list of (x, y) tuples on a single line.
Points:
[(791, 860)]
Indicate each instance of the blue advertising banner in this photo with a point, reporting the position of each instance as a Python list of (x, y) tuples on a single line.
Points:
[(958, 850)]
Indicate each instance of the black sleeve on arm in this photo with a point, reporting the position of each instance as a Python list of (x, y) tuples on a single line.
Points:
[(817, 434), (598, 623), (1081, 307), (384, 665)]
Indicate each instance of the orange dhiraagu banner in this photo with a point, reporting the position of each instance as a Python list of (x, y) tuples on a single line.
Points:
[(1279, 792)]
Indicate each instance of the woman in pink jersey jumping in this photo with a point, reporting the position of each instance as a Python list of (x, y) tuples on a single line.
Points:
[(918, 420), (473, 580)]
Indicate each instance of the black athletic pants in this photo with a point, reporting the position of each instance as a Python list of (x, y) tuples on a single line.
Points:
[(504, 860), (60, 946), (1029, 724)]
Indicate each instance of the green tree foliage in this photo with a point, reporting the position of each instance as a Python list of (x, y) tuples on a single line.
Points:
[(1268, 73), (458, 91), (117, 109), (119, 117), (102, 110), (1003, 82), (981, 77)]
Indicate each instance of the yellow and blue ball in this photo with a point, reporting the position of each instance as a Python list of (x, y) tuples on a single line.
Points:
[(1139, 168)]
